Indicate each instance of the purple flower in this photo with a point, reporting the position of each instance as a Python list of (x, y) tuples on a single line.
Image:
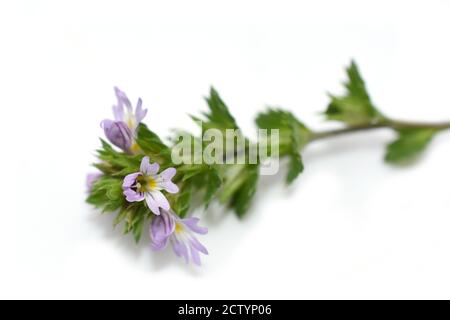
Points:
[(122, 131), (118, 133), (91, 179), (147, 185), (168, 227), (130, 117)]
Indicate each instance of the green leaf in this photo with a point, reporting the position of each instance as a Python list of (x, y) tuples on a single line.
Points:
[(120, 216), (219, 113), (295, 167), (183, 199), (294, 135), (409, 144), (151, 144), (212, 186), (355, 107), (244, 195), (116, 163), (138, 226), (106, 194)]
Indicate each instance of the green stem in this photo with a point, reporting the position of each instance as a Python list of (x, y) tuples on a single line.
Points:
[(392, 124)]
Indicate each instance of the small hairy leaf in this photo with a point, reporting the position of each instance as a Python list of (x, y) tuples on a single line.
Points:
[(219, 113), (106, 194), (355, 107), (151, 144), (294, 135), (409, 144)]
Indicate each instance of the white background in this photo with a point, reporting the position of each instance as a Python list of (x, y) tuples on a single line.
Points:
[(350, 227)]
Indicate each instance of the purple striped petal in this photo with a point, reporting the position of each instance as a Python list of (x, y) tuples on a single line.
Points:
[(161, 229), (130, 180), (195, 256), (191, 223), (197, 245), (118, 134), (122, 98), (180, 249), (147, 168), (118, 113), (166, 182), (152, 204), (160, 200), (140, 113), (133, 196)]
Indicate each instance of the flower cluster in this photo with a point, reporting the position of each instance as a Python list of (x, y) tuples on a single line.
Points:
[(150, 185), (122, 131)]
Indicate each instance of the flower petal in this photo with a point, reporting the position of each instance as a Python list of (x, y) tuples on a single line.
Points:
[(195, 256), (140, 113), (91, 179), (169, 186), (122, 98), (130, 180), (118, 133), (180, 249), (118, 112), (160, 199), (191, 223), (133, 196), (148, 168), (166, 182), (197, 245), (160, 230), (152, 204), (168, 174)]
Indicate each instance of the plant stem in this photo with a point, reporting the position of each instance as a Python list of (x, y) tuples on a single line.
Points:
[(392, 124)]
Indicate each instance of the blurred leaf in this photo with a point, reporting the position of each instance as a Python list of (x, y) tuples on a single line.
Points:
[(355, 107), (295, 167), (219, 114), (183, 199), (152, 145), (409, 144), (213, 184), (294, 135), (244, 195)]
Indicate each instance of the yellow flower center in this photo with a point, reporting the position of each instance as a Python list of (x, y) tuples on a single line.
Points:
[(178, 227), (135, 148), (151, 183)]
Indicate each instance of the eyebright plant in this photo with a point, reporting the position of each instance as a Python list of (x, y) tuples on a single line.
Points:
[(146, 189)]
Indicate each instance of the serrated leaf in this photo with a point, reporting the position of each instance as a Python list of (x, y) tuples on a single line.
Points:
[(151, 144), (291, 129), (355, 107), (219, 113), (243, 197), (294, 135), (409, 144), (295, 167)]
